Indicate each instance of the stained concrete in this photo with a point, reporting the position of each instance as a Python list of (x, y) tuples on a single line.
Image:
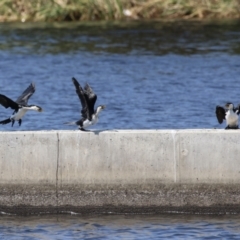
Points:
[(120, 171)]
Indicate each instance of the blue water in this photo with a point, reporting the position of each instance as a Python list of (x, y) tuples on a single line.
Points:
[(149, 75), (120, 227)]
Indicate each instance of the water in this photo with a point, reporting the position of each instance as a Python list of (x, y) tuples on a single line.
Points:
[(120, 227), (149, 75)]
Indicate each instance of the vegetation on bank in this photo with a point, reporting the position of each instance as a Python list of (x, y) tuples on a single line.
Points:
[(77, 10)]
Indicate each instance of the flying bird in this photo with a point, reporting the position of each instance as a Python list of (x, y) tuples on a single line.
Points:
[(20, 107), (230, 114), (87, 98)]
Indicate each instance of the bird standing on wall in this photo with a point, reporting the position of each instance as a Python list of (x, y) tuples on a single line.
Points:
[(20, 107), (230, 114), (87, 98)]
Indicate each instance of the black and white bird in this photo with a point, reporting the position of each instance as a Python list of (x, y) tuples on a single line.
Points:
[(20, 107), (87, 98), (230, 114)]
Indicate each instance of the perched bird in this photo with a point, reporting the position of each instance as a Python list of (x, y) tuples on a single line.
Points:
[(88, 99), (20, 107), (230, 114)]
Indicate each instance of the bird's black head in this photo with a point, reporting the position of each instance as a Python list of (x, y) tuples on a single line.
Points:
[(100, 108), (229, 105), (36, 108)]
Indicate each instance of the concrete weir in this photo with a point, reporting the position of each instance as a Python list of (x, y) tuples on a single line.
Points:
[(120, 171)]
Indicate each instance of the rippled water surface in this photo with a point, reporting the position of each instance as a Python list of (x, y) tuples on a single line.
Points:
[(149, 75), (120, 227)]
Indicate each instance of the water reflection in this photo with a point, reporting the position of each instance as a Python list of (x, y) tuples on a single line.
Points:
[(158, 38)]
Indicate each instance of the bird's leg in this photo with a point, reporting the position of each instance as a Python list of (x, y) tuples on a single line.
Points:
[(13, 121), (20, 122)]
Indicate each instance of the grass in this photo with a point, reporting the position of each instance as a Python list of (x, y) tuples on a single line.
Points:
[(85, 10)]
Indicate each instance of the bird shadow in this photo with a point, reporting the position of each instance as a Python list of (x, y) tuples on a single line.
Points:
[(97, 132)]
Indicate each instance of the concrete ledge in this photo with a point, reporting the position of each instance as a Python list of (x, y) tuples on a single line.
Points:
[(120, 171)]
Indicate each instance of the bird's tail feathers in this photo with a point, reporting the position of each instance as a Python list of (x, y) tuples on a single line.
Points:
[(8, 120)]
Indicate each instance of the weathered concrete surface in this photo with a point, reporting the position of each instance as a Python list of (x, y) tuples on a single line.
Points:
[(120, 171)]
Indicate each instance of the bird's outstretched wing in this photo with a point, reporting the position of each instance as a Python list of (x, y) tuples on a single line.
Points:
[(7, 102), (91, 98), (220, 113), (81, 95), (23, 99)]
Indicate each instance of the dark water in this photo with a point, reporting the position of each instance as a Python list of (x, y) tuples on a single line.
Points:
[(120, 227), (149, 75)]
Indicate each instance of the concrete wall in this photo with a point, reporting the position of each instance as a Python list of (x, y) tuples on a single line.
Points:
[(120, 171)]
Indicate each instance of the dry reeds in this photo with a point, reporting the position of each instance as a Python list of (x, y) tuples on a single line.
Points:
[(75, 10)]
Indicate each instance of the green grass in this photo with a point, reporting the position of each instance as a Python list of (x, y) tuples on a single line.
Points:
[(85, 10)]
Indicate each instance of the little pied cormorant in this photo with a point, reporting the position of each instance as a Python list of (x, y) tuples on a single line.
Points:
[(20, 107), (88, 99), (230, 114)]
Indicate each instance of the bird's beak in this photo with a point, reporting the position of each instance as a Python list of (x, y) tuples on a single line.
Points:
[(103, 107), (40, 110)]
